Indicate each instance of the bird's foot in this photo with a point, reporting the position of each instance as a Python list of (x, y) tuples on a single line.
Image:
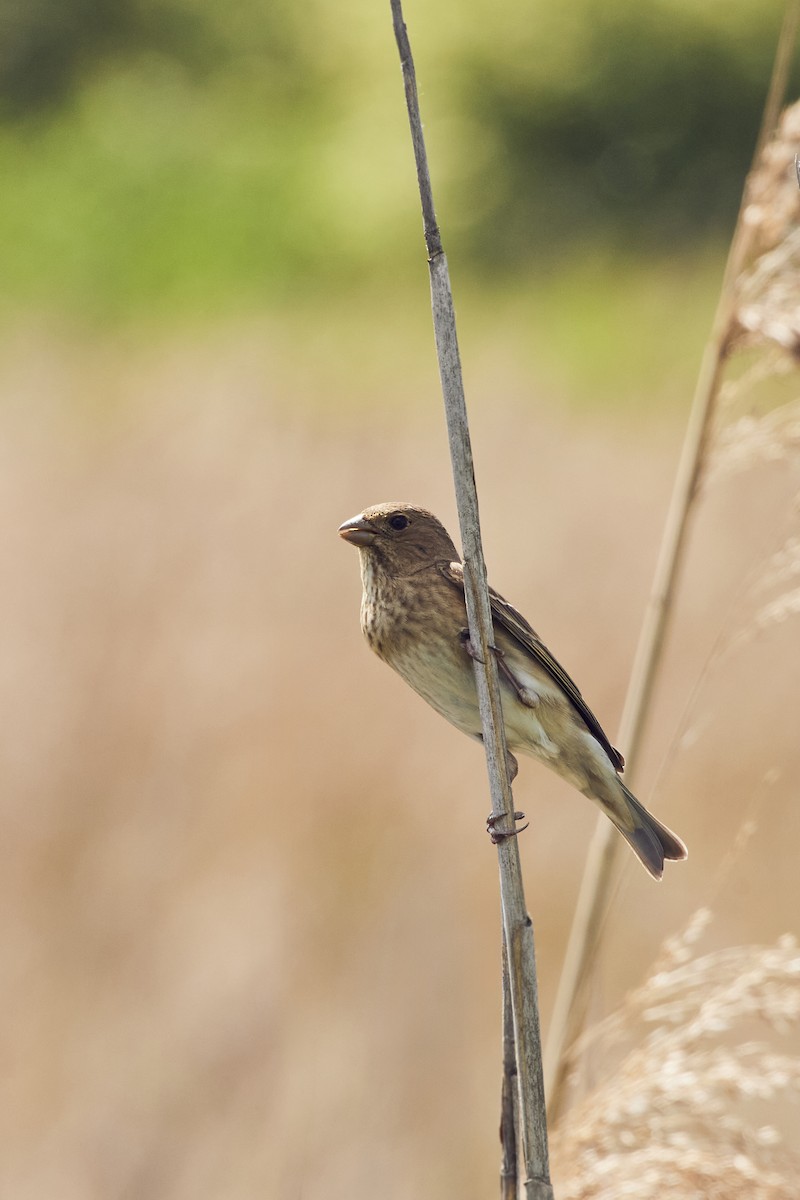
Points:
[(466, 642), (502, 835)]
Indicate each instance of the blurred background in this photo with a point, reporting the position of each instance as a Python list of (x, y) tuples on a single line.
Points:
[(249, 915)]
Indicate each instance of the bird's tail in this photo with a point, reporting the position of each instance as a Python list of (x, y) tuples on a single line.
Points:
[(650, 841)]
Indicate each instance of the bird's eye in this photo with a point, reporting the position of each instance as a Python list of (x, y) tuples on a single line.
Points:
[(398, 522)]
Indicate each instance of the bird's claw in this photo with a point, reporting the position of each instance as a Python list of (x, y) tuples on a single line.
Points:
[(502, 835), (466, 642)]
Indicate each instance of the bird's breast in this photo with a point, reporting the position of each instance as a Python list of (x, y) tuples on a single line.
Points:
[(399, 620), (415, 629)]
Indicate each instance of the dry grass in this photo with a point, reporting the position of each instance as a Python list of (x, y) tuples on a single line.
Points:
[(757, 308), (249, 912), (768, 292), (681, 1111), (673, 1115), (766, 316)]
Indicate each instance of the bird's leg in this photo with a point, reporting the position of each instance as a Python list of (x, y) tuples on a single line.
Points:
[(512, 766), (523, 694), (500, 835)]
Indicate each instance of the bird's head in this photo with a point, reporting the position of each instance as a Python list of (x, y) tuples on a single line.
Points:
[(399, 539)]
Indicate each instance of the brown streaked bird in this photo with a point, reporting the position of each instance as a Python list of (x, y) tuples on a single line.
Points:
[(414, 617)]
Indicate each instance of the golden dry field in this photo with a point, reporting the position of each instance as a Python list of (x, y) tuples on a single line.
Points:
[(249, 910)]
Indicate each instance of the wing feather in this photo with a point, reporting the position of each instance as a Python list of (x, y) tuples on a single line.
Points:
[(515, 624)]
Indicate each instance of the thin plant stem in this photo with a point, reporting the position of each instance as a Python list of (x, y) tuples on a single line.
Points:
[(517, 925), (508, 1096), (570, 1004)]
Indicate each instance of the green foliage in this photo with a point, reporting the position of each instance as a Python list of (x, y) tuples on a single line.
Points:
[(629, 121), (154, 192), (185, 156)]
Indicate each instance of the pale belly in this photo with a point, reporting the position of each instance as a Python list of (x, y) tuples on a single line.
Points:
[(444, 675), (445, 679)]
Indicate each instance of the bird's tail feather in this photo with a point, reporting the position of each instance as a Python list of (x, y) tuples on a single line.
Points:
[(651, 841)]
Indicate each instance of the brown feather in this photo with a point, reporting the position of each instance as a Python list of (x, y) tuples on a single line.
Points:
[(515, 624)]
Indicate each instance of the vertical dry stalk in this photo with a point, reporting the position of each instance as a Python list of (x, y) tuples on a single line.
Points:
[(509, 1107), (517, 925), (569, 1008)]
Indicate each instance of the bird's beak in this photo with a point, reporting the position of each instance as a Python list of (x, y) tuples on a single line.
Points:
[(358, 531)]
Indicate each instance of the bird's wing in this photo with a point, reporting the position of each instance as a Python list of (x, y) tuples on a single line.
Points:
[(515, 624)]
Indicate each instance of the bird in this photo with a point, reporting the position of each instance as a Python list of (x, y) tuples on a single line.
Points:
[(413, 616)]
